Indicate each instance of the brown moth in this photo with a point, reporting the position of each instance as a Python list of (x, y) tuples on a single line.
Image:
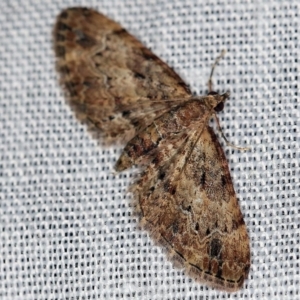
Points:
[(185, 194)]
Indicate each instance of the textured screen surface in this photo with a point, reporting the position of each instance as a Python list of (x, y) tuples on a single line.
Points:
[(66, 225)]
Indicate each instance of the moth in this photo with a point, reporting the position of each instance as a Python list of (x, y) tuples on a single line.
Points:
[(184, 193)]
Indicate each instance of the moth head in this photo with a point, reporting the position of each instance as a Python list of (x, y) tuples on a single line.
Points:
[(219, 100)]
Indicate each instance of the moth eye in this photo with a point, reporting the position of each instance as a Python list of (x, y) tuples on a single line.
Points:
[(219, 107)]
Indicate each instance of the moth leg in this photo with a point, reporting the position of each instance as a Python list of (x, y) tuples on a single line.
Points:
[(210, 81), (224, 137)]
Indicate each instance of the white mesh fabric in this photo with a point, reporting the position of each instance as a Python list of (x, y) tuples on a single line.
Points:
[(66, 224)]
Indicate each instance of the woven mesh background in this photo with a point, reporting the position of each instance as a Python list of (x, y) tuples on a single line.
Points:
[(66, 224)]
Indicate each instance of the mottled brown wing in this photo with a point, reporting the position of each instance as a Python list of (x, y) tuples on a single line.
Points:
[(113, 80), (188, 203)]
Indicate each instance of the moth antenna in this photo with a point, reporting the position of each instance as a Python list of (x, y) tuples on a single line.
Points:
[(210, 81)]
